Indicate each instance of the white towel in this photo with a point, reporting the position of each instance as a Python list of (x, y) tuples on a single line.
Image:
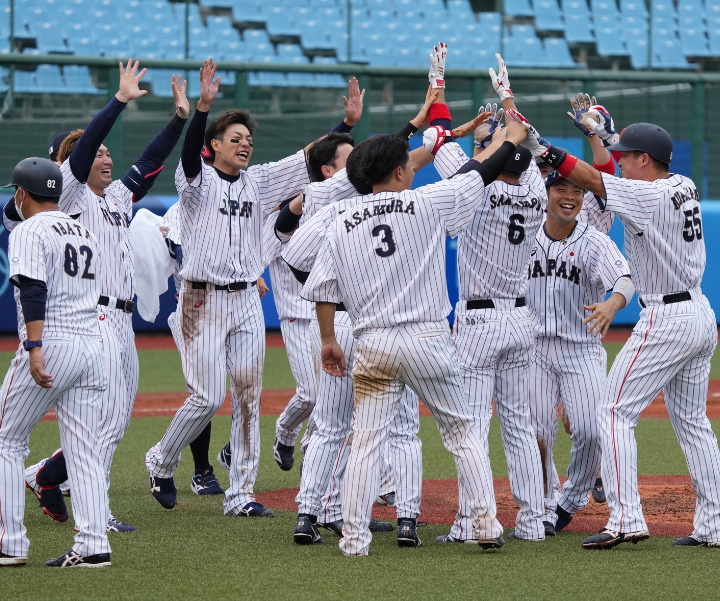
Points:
[(153, 265)]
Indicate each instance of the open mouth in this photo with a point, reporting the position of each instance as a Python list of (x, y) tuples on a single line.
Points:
[(566, 206), (243, 155)]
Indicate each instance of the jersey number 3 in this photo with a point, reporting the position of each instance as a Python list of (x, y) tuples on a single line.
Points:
[(692, 228), (71, 265), (387, 243)]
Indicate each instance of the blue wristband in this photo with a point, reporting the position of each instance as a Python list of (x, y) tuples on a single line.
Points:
[(341, 128)]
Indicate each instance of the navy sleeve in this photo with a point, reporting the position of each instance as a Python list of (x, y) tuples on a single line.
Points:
[(33, 297), (193, 143), (83, 155), (491, 167)]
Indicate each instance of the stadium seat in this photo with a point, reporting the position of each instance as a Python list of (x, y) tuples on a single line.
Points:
[(691, 8), (558, 53), (694, 42), (280, 23), (609, 42), (548, 16), (664, 8), (714, 40), (638, 48), (634, 8), (519, 8), (579, 29), (667, 54), (604, 7), (267, 78), (523, 48), (78, 81)]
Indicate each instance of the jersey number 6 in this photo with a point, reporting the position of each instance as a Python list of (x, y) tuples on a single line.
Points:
[(71, 266), (516, 231)]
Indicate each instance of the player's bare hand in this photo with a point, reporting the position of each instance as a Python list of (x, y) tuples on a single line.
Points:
[(566, 421), (164, 230), (516, 132), (421, 119), (467, 128), (179, 90), (209, 84), (262, 287), (353, 102), (37, 368), (333, 360), (129, 88), (600, 318)]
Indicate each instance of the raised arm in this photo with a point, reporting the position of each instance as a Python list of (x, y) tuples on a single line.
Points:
[(195, 136)]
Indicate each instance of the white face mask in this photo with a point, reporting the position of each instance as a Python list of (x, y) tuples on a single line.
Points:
[(18, 207)]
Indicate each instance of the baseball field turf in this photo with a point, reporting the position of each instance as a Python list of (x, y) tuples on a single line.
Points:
[(194, 552)]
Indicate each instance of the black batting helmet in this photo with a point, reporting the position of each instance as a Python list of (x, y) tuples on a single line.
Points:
[(40, 177), (519, 160), (646, 137)]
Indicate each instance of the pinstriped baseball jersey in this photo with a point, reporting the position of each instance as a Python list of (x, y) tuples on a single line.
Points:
[(55, 249), (214, 204), (564, 275), (386, 227), (593, 212), (321, 194), (286, 288), (494, 249), (663, 231), (108, 217)]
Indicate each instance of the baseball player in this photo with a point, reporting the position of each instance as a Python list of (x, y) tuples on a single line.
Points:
[(328, 448), (673, 342), (56, 266), (402, 332), (572, 265), (104, 206), (221, 210), (494, 329)]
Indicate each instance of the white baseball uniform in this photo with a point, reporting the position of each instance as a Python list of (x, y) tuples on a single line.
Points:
[(55, 249), (495, 340), (670, 348), (399, 317), (295, 314), (328, 448), (221, 322), (570, 364)]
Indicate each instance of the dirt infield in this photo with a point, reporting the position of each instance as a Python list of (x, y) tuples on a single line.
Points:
[(668, 504)]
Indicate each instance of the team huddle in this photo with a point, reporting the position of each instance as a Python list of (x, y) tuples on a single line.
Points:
[(357, 262)]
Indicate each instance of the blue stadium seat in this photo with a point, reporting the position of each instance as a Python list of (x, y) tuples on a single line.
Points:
[(714, 39), (579, 29), (301, 80), (314, 34), (4, 79), (548, 16), (78, 80), (667, 54), (523, 48), (267, 79), (574, 7), (49, 80), (558, 54), (280, 22), (694, 42), (25, 82), (604, 7), (664, 8), (633, 22), (691, 8), (635, 8), (609, 41), (519, 8), (638, 48)]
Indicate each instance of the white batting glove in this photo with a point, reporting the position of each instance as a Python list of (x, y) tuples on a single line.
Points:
[(602, 124), (434, 137), (437, 66), (484, 131), (534, 143), (500, 80)]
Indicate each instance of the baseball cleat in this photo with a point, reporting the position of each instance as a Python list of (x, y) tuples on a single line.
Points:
[(51, 501), (407, 535), (115, 525), (691, 541), (607, 539), (386, 499), (598, 492), (12, 560), (224, 457), (306, 533), (563, 519), (72, 559), (549, 529), (205, 483), (489, 543), (254, 509), (284, 455), (335, 526), (448, 538), (164, 491)]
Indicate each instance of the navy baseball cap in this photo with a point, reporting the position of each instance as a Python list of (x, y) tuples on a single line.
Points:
[(646, 137), (552, 177), (519, 160), (55, 144), (40, 177)]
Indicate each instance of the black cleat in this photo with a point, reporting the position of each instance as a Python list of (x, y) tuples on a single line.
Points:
[(407, 533), (607, 539), (284, 455), (306, 533)]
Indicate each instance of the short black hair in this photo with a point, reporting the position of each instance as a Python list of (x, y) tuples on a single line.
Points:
[(324, 152), (656, 163), (216, 130), (373, 161), (43, 199)]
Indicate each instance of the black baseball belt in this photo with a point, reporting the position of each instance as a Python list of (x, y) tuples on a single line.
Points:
[(127, 306), (669, 299), (487, 303), (231, 287), (340, 307)]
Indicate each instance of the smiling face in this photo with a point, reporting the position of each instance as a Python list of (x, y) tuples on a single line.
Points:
[(631, 164), (100, 176), (564, 201), (234, 149)]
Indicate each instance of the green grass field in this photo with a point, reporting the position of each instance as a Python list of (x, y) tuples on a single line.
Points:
[(194, 552)]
